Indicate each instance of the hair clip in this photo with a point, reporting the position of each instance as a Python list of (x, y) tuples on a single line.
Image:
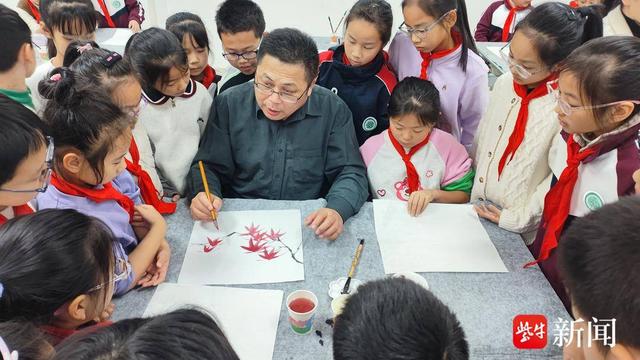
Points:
[(1, 290), (6, 354), (111, 59), (55, 77), (572, 15), (85, 47)]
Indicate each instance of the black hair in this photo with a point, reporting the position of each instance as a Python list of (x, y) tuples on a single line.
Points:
[(188, 24), (153, 52), (377, 12), (94, 69), (438, 8), (236, 16), (15, 33), (556, 29), (25, 338), (396, 318), (608, 70), (416, 96), (70, 17), (81, 118), (187, 334), (49, 258), (598, 259), (292, 46), (23, 134)]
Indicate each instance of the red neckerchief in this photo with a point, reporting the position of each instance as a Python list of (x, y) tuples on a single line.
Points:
[(557, 202), (427, 57), (18, 211), (506, 29), (209, 76), (35, 12), (105, 12), (56, 334), (107, 193), (517, 136), (147, 189), (413, 178)]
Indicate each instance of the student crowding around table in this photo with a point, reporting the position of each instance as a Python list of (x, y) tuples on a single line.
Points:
[(95, 146)]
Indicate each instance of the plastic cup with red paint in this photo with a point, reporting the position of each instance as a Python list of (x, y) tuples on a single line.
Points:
[(302, 305)]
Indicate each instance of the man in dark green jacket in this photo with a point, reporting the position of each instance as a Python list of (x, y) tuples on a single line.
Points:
[(282, 137)]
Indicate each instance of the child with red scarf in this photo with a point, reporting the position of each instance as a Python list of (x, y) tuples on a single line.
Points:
[(499, 21), (514, 136), (594, 157), (119, 14)]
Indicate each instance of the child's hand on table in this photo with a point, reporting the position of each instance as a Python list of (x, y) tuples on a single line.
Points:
[(489, 212), (106, 313), (134, 26), (157, 271), (418, 201)]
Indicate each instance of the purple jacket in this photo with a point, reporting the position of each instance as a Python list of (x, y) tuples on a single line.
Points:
[(602, 178), (122, 12), (109, 212), (463, 95)]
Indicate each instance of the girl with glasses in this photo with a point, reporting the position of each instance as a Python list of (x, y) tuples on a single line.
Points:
[(25, 159), (435, 43), (515, 134), (57, 270), (594, 157)]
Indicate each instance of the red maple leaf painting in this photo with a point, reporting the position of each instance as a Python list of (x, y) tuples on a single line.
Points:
[(213, 243), (269, 254), (251, 230), (254, 245), (274, 235)]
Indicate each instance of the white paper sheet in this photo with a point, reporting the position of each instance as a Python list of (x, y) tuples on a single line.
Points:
[(249, 255), (248, 317), (496, 50), (444, 238)]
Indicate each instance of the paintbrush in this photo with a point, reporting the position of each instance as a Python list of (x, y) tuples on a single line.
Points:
[(340, 22), (331, 25), (354, 263), (214, 214)]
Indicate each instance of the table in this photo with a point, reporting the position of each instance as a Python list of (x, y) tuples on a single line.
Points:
[(484, 303)]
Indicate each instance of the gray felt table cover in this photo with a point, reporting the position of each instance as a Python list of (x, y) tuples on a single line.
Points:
[(485, 303)]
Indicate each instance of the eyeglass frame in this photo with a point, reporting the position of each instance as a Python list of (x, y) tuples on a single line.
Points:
[(47, 175), (522, 72), (116, 277), (242, 54), (567, 109), (272, 91), (409, 31)]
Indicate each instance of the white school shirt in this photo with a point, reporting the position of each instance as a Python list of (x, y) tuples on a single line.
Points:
[(500, 15), (615, 24), (174, 126)]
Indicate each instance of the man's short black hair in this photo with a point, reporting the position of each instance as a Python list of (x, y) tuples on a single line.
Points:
[(599, 260), (236, 16), (292, 46), (395, 318), (15, 33)]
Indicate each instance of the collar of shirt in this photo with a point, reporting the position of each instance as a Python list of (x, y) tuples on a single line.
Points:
[(311, 107), (155, 97)]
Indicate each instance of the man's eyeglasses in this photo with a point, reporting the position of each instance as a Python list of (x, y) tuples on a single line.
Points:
[(285, 97), (45, 175), (423, 32)]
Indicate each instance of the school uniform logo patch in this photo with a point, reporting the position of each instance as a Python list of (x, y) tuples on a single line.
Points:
[(593, 200), (117, 4), (369, 123)]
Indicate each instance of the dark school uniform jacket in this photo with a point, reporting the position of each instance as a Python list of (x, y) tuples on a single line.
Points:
[(603, 178), (366, 89)]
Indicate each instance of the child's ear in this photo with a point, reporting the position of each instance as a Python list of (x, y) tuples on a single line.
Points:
[(450, 20), (27, 53), (45, 30), (72, 162), (621, 112), (79, 308)]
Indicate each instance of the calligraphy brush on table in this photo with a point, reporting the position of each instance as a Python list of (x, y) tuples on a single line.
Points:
[(354, 263), (214, 214)]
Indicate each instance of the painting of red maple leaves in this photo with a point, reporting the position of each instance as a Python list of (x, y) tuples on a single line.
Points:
[(251, 247)]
